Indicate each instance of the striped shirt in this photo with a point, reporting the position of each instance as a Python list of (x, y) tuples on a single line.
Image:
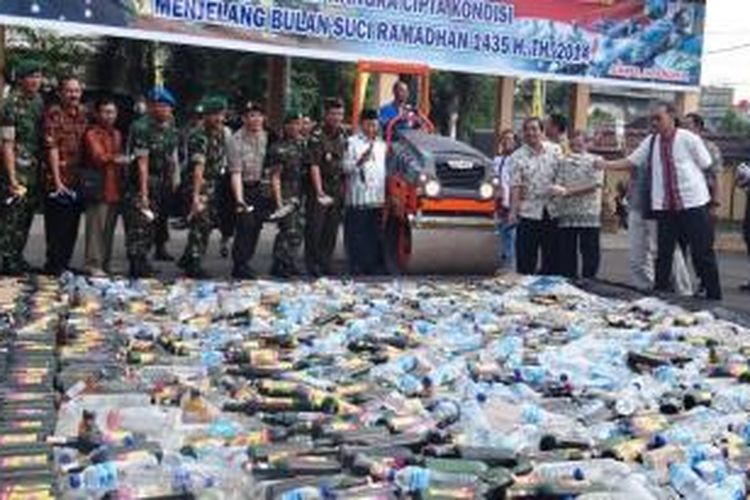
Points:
[(365, 183)]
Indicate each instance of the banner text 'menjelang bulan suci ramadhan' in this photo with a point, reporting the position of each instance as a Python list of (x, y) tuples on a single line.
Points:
[(641, 42)]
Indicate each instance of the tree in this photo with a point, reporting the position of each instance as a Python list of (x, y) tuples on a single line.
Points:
[(600, 117), (60, 55), (734, 123)]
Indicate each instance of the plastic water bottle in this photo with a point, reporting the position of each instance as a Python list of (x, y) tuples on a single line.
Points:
[(305, 493), (416, 479), (687, 482), (731, 488), (711, 471), (96, 479)]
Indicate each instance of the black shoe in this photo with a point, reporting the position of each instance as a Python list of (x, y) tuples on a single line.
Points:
[(280, 273), (314, 272), (161, 255), (184, 262), (51, 270), (16, 267), (243, 273), (196, 272), (745, 287), (224, 249)]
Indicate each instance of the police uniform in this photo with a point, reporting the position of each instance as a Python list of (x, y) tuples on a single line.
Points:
[(209, 148), (248, 154), (287, 157), (21, 124), (158, 142), (326, 149)]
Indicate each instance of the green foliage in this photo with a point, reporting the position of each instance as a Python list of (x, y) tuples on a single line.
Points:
[(60, 55), (734, 123), (600, 117), (472, 97)]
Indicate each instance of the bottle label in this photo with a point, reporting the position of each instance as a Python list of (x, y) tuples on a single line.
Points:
[(15, 439), (23, 461)]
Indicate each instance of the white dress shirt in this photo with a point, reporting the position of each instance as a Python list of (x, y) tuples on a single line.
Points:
[(365, 184), (691, 160)]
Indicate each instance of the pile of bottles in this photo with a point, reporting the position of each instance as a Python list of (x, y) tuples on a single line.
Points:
[(498, 388)]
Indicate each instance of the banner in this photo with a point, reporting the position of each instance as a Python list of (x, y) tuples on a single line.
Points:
[(653, 43)]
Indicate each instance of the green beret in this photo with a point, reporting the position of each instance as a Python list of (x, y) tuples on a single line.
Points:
[(213, 104), (27, 67), (292, 115)]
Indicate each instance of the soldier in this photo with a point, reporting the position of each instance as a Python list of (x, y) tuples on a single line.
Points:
[(207, 151), (247, 156), (153, 142), (286, 161), (64, 125), (325, 204), (20, 130)]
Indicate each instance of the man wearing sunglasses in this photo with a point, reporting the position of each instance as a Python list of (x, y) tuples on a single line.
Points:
[(677, 196)]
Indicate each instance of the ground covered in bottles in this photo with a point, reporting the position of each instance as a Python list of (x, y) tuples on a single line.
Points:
[(504, 387)]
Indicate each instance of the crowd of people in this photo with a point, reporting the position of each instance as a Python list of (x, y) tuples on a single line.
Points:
[(551, 211), (73, 161), (309, 180)]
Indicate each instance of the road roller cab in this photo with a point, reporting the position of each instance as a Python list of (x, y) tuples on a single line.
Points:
[(434, 182)]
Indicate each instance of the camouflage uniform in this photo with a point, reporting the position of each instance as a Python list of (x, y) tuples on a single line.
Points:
[(147, 137), (288, 156), (325, 149), (21, 123), (210, 148)]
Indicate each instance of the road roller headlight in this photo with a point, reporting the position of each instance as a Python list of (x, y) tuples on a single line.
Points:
[(495, 181), (423, 178), (486, 190), (432, 188)]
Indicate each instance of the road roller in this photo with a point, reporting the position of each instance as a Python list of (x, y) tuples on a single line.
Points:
[(440, 193)]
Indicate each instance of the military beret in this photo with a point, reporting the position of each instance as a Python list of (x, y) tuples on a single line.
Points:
[(333, 103), (27, 67), (162, 95), (292, 115), (253, 107), (213, 104)]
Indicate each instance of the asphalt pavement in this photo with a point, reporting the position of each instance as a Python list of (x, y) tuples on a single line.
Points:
[(449, 253)]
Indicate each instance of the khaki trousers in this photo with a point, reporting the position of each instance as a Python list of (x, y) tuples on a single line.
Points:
[(101, 221)]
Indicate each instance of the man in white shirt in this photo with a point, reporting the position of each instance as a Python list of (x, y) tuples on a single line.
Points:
[(675, 161), (365, 170), (533, 201)]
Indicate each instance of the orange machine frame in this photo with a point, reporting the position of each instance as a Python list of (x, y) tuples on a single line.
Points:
[(421, 71)]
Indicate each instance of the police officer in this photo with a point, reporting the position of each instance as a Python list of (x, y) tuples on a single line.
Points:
[(20, 131), (207, 152), (326, 147), (153, 142), (286, 160), (247, 158)]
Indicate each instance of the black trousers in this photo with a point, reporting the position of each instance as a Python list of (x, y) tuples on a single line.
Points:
[(694, 226), (321, 235), (226, 207), (583, 241), (248, 226), (61, 232), (746, 224), (532, 238), (363, 232)]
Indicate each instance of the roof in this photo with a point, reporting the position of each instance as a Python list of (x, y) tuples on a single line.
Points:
[(439, 144)]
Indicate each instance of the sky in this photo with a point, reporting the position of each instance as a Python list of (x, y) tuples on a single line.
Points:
[(726, 53)]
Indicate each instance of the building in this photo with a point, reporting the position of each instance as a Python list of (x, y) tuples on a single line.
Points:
[(715, 103)]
